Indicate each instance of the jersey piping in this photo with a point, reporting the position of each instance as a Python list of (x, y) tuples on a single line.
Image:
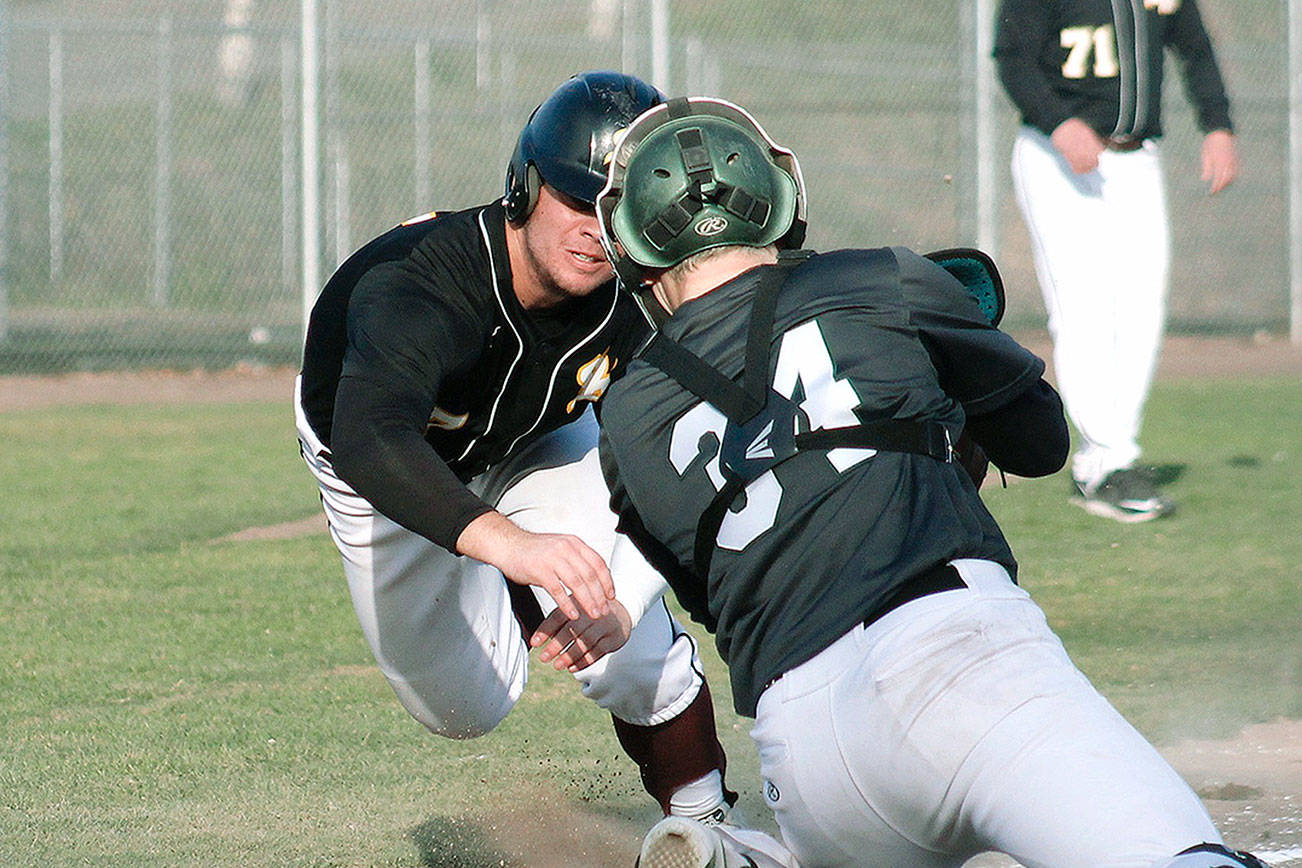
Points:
[(519, 339), (551, 381)]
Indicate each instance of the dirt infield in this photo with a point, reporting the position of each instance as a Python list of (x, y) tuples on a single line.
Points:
[(1182, 358), (1251, 785)]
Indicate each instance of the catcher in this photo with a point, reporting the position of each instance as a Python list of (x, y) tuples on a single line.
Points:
[(783, 451)]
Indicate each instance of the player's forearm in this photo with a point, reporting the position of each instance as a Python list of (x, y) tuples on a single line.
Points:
[(637, 584), (488, 537), (1206, 92), (1031, 92), (1027, 437), (1198, 67), (388, 462)]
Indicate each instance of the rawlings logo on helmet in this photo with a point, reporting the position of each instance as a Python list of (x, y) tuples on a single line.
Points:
[(711, 226)]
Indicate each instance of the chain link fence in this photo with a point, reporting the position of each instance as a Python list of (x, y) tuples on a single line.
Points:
[(151, 195)]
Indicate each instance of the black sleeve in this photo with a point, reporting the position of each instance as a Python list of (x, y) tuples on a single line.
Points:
[(1020, 29), (976, 364), (1026, 437), (1202, 76), (1012, 413), (400, 341)]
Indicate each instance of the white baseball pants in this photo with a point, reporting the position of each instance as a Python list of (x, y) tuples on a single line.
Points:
[(441, 626), (1102, 251), (957, 724)]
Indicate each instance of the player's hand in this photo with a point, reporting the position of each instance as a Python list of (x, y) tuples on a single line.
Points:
[(1220, 160), (563, 565), (577, 643), (1079, 145)]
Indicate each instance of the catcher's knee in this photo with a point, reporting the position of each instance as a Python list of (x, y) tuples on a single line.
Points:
[(1212, 856)]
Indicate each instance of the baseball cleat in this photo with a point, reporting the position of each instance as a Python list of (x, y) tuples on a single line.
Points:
[(1127, 496), (677, 842)]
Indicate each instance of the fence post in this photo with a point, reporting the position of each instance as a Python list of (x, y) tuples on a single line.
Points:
[(423, 95), (987, 189), (337, 189), (311, 160), (626, 37), (288, 178), (660, 45), (1295, 169), (4, 179), (56, 157), (163, 167)]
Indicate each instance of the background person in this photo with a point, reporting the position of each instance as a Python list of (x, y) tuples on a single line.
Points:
[(1087, 79)]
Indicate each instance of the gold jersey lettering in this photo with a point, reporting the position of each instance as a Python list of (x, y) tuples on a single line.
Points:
[(440, 418), (593, 378), (1084, 43)]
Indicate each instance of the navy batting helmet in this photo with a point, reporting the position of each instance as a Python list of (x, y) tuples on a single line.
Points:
[(569, 138)]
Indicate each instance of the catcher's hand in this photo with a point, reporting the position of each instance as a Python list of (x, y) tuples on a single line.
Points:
[(969, 453), (577, 643)]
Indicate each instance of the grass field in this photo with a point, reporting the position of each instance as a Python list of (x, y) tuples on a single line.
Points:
[(171, 696)]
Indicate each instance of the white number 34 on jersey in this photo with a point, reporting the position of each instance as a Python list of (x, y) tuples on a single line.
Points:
[(804, 364)]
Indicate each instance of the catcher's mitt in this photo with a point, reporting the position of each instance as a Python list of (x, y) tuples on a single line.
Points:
[(979, 276)]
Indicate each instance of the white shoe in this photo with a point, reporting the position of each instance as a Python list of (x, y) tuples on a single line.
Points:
[(727, 815), (677, 842)]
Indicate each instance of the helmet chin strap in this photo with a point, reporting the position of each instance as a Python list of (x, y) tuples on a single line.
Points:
[(656, 313)]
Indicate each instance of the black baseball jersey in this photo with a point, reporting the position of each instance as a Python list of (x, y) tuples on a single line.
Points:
[(819, 541), (1102, 61), (421, 369)]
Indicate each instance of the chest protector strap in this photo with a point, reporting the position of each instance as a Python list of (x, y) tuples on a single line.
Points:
[(761, 431)]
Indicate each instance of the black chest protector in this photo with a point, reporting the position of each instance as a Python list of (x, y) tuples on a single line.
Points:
[(762, 424)]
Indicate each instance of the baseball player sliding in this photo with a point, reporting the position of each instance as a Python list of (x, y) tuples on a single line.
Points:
[(444, 408), (783, 451), (1087, 78)]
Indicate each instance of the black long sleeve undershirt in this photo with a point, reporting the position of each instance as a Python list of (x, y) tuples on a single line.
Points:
[(379, 450), (1026, 437)]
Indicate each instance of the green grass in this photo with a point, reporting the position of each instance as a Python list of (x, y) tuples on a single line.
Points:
[(173, 699), (1190, 624)]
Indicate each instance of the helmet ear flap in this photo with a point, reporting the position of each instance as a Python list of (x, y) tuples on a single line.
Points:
[(522, 184), (532, 184), (521, 193)]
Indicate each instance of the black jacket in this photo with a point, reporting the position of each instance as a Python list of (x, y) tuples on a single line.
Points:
[(1102, 61), (421, 369)]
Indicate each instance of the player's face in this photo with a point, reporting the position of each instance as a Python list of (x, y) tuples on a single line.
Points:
[(562, 246)]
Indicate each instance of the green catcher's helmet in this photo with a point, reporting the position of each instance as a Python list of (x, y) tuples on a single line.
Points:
[(696, 173)]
